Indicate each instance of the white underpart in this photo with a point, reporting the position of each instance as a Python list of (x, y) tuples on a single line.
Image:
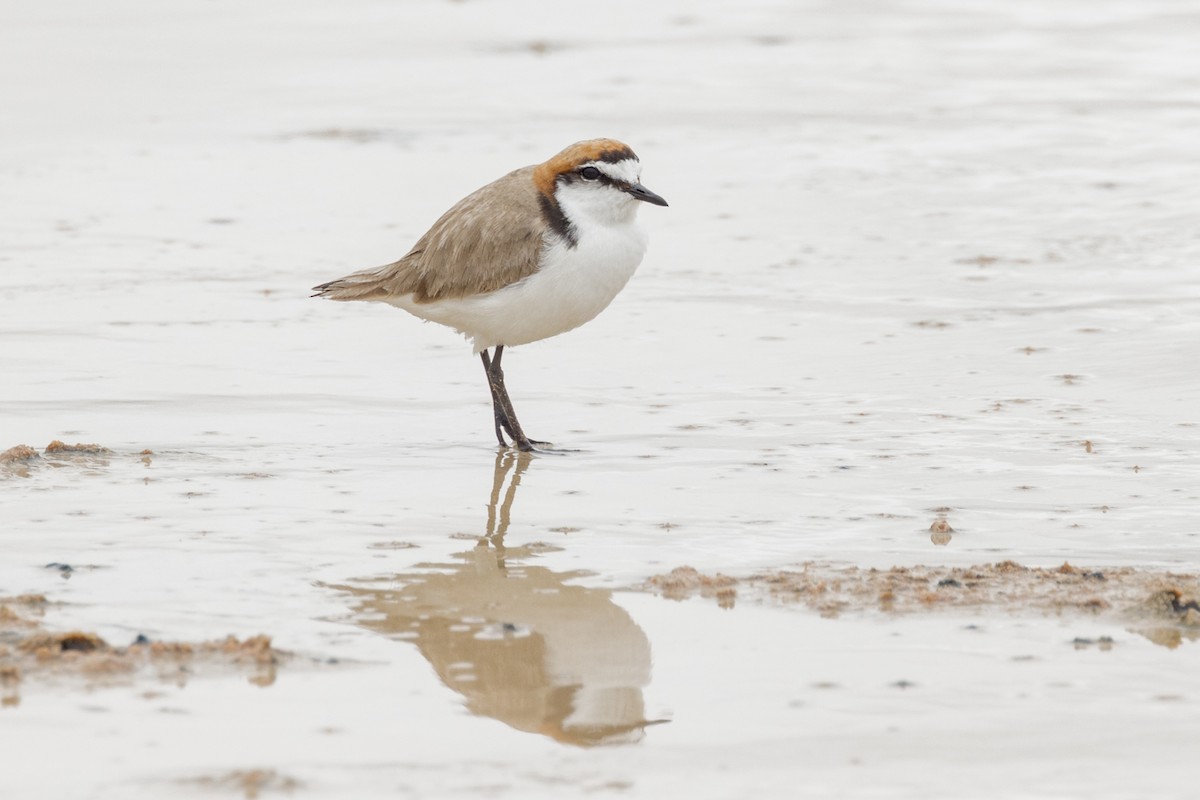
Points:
[(573, 285)]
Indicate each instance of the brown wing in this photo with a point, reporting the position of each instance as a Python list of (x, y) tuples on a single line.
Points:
[(488, 240)]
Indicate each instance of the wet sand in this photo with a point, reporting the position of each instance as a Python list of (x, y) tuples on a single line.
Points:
[(884, 469)]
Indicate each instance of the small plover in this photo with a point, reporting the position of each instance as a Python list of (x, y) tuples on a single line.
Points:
[(531, 255)]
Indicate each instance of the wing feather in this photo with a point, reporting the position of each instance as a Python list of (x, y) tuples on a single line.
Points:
[(490, 239)]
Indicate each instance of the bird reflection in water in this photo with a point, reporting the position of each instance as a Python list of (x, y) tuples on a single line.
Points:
[(518, 641)]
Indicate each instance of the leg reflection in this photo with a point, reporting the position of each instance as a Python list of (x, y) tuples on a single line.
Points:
[(508, 462)]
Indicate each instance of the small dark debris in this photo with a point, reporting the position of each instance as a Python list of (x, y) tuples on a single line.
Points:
[(141, 639), (81, 642), (1081, 643), (1181, 607), (948, 582)]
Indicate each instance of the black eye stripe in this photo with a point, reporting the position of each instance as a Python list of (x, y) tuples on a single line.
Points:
[(601, 178)]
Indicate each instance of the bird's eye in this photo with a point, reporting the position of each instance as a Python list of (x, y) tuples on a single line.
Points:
[(589, 173)]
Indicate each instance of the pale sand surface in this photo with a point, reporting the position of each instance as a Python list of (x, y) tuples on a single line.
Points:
[(924, 261)]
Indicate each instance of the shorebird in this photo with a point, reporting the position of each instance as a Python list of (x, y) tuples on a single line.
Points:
[(534, 254)]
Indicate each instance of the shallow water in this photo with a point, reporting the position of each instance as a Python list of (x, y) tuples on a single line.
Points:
[(922, 261)]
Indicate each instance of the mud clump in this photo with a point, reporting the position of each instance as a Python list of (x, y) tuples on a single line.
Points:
[(19, 460), (1163, 606), (1169, 616), (22, 460), (48, 645), (683, 582), (940, 532), (20, 453), (57, 447), (1172, 604), (30, 653)]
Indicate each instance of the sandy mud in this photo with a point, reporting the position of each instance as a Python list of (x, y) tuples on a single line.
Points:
[(1162, 606), (32, 652)]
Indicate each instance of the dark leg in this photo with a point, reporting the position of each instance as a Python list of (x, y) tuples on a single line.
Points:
[(500, 393), (497, 411), (502, 406)]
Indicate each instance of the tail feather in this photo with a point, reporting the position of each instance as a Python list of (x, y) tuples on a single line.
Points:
[(359, 286)]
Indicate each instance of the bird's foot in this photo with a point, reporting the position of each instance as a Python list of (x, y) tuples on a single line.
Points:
[(532, 445)]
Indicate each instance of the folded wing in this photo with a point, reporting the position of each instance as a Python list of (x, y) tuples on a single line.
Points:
[(490, 239)]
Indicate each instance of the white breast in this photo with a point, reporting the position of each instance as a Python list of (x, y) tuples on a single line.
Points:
[(573, 285)]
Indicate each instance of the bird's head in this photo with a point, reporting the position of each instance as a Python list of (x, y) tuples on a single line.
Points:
[(597, 178)]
